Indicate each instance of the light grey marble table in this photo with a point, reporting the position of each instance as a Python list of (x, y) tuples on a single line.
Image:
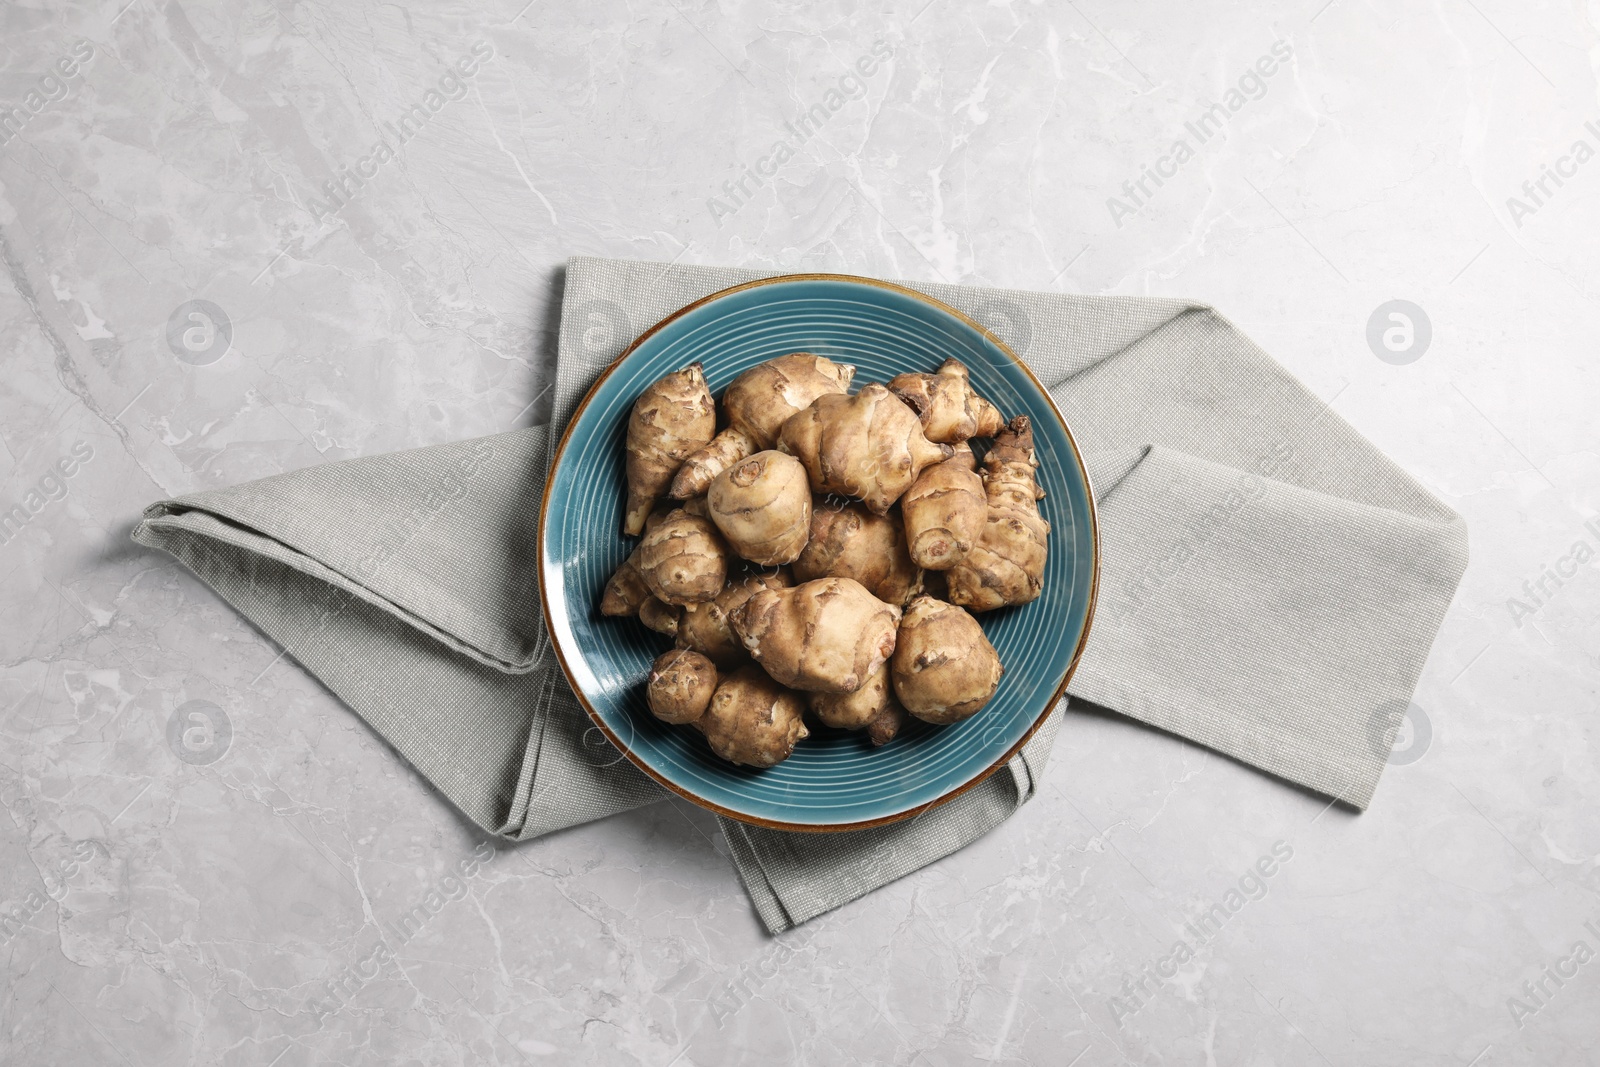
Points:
[(214, 274)]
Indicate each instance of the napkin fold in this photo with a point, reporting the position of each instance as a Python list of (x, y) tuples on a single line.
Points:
[(1271, 584)]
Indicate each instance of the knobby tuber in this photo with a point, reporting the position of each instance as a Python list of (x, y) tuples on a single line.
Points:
[(706, 628), (626, 591), (826, 636), (859, 642), (886, 724), (753, 720), (855, 711), (944, 668), (950, 409), (762, 505), (703, 465), (848, 541), (757, 403), (660, 616), (671, 419), (1006, 566), (944, 512), (680, 686), (683, 559), (869, 446)]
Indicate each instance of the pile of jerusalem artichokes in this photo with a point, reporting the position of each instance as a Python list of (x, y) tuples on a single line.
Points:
[(823, 552)]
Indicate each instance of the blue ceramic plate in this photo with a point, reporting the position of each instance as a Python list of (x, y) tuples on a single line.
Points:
[(834, 780)]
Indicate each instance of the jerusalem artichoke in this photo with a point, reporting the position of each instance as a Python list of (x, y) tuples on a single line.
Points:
[(950, 410), (848, 541), (763, 507), (944, 667), (705, 626), (859, 641), (826, 636), (944, 511), (1006, 566), (703, 465), (626, 590), (886, 725), (680, 686), (660, 616), (855, 711), (683, 560), (752, 720), (869, 446), (757, 403), (672, 418)]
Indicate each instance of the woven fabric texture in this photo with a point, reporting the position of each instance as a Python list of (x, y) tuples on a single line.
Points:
[(1271, 584)]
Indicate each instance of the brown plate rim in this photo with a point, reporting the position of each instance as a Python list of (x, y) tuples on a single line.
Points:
[(883, 820)]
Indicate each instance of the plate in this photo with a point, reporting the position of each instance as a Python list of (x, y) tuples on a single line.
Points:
[(834, 780)]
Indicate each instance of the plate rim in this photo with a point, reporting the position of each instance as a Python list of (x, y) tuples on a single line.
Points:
[(559, 453)]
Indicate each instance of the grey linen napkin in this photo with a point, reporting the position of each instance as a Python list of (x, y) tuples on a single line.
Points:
[(1271, 583)]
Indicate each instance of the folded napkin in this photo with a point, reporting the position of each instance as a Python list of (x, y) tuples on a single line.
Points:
[(1271, 583)]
